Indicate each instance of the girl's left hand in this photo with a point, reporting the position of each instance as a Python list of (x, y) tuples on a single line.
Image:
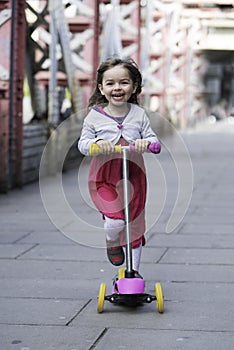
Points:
[(141, 145)]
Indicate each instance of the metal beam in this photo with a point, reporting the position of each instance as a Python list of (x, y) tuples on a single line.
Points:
[(18, 38), (5, 31)]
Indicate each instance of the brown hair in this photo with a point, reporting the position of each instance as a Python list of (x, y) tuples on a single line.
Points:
[(135, 75)]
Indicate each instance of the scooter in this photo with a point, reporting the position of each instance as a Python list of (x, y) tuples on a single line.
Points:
[(128, 289)]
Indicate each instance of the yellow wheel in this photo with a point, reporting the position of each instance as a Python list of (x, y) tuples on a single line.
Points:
[(101, 297), (159, 297), (121, 273)]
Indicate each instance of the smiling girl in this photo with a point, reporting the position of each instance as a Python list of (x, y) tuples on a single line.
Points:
[(115, 118)]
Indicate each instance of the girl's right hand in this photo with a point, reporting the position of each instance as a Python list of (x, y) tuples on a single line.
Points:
[(106, 146)]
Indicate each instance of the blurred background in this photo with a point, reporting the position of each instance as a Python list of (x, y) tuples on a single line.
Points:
[(50, 51)]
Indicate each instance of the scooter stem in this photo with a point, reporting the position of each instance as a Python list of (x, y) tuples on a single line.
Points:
[(129, 273)]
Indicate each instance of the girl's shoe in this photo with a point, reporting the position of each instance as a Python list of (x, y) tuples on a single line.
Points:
[(115, 253)]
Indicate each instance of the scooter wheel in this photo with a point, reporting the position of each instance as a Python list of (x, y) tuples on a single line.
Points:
[(121, 272), (101, 297), (159, 297)]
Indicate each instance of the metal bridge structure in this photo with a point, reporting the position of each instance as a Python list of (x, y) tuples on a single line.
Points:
[(50, 51)]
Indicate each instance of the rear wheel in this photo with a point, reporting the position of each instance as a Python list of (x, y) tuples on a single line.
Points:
[(159, 297), (101, 297)]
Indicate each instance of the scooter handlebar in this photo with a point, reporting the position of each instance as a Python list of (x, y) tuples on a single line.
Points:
[(154, 147), (95, 150)]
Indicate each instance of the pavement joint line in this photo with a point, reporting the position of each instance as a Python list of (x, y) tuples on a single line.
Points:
[(33, 324), (146, 281), (45, 325), (161, 257), (179, 330), (208, 234), (190, 248), (93, 346), (195, 264), (55, 260), (22, 237), (78, 312), (44, 298), (102, 261), (26, 251)]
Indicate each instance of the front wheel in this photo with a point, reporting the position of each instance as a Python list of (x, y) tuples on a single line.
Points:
[(101, 297), (121, 272), (159, 297)]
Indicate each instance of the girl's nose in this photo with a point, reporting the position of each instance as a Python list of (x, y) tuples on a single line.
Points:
[(116, 86)]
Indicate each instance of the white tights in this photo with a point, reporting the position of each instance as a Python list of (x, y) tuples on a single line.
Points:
[(136, 258), (112, 228)]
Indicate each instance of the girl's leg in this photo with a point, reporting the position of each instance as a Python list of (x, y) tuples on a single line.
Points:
[(112, 228), (136, 258), (108, 202), (115, 252)]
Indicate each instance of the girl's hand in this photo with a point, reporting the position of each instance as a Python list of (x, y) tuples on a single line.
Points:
[(141, 145), (106, 146)]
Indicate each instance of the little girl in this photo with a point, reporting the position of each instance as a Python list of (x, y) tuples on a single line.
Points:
[(116, 118)]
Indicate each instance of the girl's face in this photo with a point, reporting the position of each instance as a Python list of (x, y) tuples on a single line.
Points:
[(117, 86)]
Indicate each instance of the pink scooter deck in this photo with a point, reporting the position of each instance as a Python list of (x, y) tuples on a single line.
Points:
[(130, 286)]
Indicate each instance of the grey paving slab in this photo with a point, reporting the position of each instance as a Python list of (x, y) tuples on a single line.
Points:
[(39, 311), (208, 228), (207, 211), (163, 339), (215, 219), (199, 256), (178, 316), (192, 240), (8, 228), (49, 337), (49, 288), (12, 251), (203, 292), (26, 224), (53, 269), (13, 237), (45, 237), (187, 273), (65, 252)]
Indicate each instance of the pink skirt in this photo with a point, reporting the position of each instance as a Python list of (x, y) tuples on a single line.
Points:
[(106, 190)]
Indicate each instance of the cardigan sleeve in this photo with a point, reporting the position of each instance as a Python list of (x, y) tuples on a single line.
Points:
[(88, 137), (147, 132)]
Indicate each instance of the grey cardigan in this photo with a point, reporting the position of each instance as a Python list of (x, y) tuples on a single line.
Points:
[(97, 126)]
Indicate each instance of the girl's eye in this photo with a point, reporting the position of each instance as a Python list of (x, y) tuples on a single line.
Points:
[(120, 83)]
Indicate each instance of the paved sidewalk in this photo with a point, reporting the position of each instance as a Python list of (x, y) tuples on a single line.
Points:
[(49, 283)]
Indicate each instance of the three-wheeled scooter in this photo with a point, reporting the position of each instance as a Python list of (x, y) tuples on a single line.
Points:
[(128, 288)]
